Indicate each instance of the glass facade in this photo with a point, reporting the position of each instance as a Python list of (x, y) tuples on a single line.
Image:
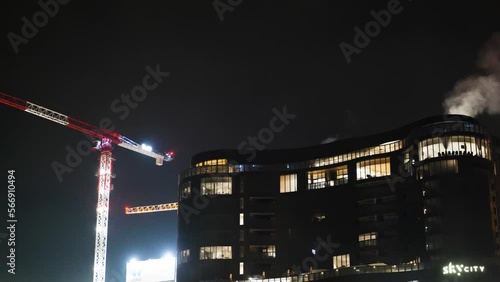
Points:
[(437, 168), (186, 189), (367, 239), (216, 186), (373, 168), (215, 252), (223, 166), (455, 145), (341, 261), (323, 178)]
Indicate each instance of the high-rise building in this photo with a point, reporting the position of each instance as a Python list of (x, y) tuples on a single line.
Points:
[(416, 203)]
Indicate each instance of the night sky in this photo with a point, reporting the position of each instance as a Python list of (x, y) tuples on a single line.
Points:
[(225, 78)]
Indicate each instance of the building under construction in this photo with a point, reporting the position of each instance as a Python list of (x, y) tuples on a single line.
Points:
[(415, 203)]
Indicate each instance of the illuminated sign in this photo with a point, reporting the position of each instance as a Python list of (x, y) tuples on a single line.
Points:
[(457, 269), (153, 270)]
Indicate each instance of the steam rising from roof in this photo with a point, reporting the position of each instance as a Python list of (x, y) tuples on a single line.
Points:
[(479, 93)]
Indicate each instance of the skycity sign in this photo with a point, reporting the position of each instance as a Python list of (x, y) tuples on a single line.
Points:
[(452, 269)]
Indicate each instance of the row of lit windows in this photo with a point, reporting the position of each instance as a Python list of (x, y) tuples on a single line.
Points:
[(441, 146), (215, 252), (344, 261), (373, 168), (377, 150), (453, 146), (225, 252), (212, 169), (437, 168), (212, 162), (222, 165), (288, 183)]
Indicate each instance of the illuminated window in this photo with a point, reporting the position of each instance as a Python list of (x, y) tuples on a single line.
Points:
[(288, 183), (242, 268), (341, 261), (216, 186), (267, 251), (184, 256), (318, 179), (215, 252), (242, 218), (373, 168), (456, 145), (186, 189), (242, 251), (367, 239)]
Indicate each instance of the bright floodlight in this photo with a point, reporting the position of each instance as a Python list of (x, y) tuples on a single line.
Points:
[(146, 147), (151, 270), (132, 260)]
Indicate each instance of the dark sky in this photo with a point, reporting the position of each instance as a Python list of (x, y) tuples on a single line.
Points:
[(225, 79)]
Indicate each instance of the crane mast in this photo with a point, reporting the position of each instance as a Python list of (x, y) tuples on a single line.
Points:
[(107, 139), (102, 212)]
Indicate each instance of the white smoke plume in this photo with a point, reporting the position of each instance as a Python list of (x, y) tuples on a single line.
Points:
[(479, 93)]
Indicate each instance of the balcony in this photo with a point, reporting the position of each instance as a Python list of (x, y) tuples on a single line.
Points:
[(261, 221), (262, 237), (261, 204)]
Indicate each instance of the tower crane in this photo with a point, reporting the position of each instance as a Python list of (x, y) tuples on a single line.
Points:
[(105, 139)]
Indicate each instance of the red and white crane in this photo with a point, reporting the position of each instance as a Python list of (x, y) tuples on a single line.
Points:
[(106, 139)]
